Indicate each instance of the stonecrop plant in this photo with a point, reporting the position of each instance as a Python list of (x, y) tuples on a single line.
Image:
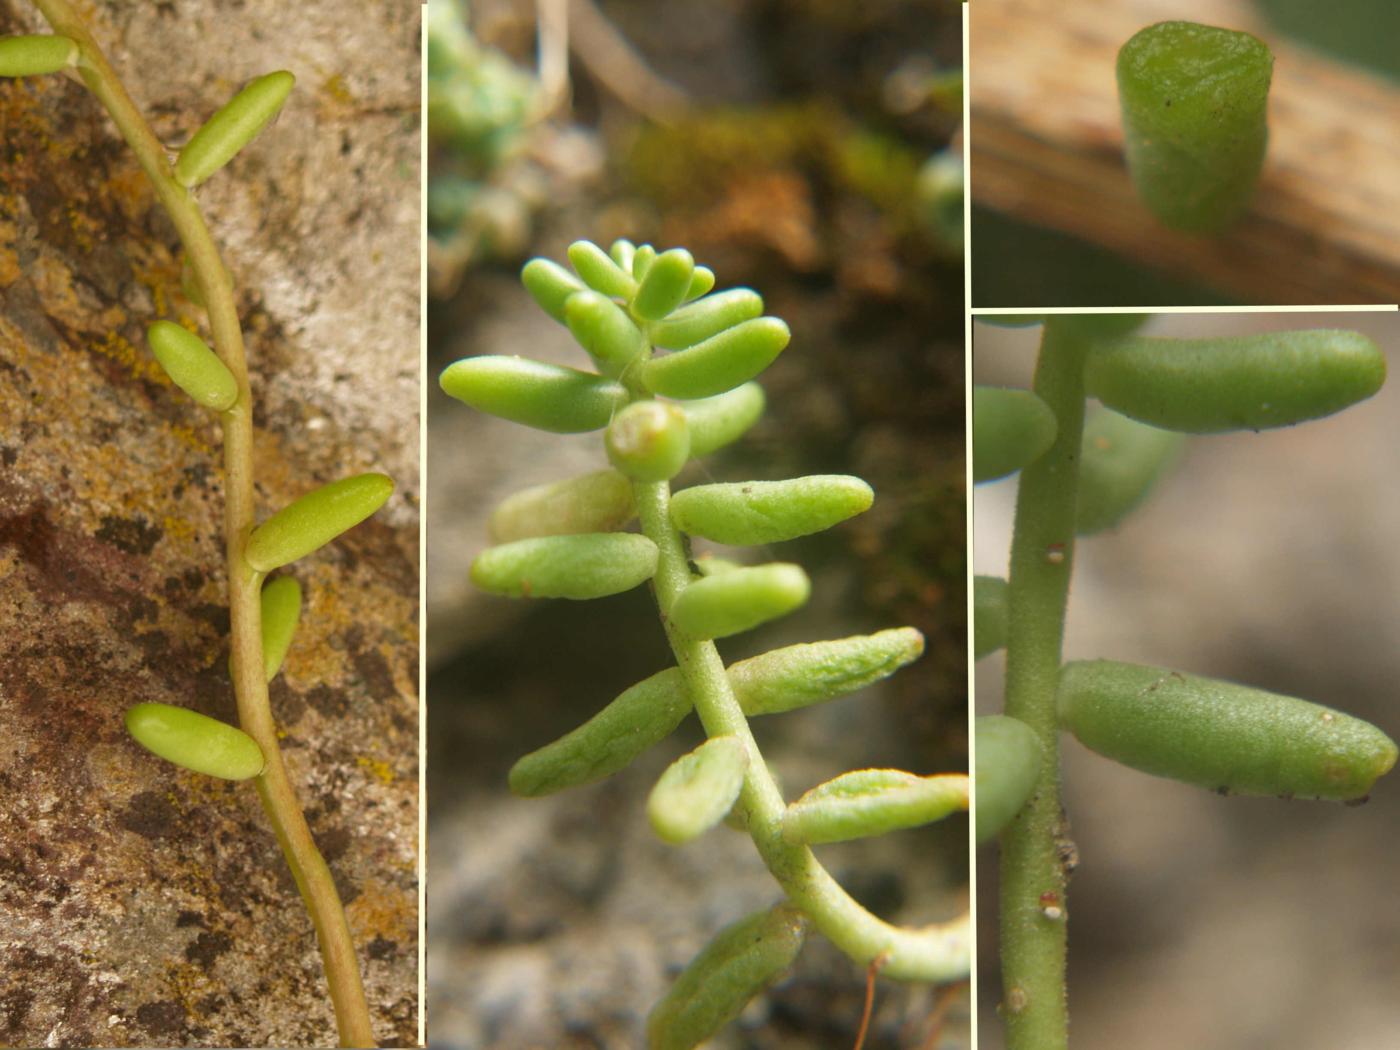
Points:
[(1194, 100), (1080, 475), (263, 613), (657, 411)]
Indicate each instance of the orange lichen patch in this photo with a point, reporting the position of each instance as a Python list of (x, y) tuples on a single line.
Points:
[(54, 282), (9, 258), (334, 87), (85, 228), (131, 192), (378, 767), (138, 363), (382, 910)]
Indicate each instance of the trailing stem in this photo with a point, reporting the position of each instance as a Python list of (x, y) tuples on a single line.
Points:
[(313, 877), (932, 953), (1033, 871)]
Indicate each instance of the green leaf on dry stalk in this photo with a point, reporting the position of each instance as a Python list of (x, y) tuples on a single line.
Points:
[(315, 519), (1120, 462), (990, 611), (550, 285), (547, 397), (705, 318), (192, 365), (1011, 429), (665, 285), (648, 441), (599, 271), (1008, 764), (236, 124), (603, 329), (716, 421), (719, 363), (194, 741), (800, 675), (36, 54), (281, 612)]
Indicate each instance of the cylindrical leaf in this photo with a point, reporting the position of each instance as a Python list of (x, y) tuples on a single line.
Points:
[(1218, 735), (605, 331), (1120, 462), (233, 127), (719, 363), (757, 512), (698, 789), (1011, 429), (315, 519), (1249, 382), (872, 802), (192, 365), (701, 281), (641, 716), (716, 421), (550, 285), (599, 272), (591, 565), (1194, 100), (664, 287), (597, 502), (989, 614), (648, 441), (718, 606), (1008, 763), (35, 55), (801, 675), (642, 259), (740, 962), (281, 611), (547, 397), (623, 252), (705, 318), (195, 741)]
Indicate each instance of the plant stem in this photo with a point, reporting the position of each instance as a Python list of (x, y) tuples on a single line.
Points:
[(309, 869), (938, 952), (1033, 873)]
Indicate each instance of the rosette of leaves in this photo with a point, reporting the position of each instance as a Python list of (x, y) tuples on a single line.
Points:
[(673, 375), (479, 109), (1081, 472)]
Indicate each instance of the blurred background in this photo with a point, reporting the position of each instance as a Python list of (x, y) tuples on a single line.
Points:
[(1055, 220), (1267, 559), (808, 150)]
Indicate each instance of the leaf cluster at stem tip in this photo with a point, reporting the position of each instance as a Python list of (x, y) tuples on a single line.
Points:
[(672, 378)]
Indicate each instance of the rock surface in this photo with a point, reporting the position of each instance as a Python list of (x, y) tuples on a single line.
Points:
[(141, 905)]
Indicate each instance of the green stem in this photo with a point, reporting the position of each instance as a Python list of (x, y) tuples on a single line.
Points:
[(309, 869), (938, 952), (1033, 872)]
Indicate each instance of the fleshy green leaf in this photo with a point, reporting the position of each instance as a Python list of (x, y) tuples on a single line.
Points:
[(315, 519), (641, 716), (240, 121), (550, 285), (34, 55), (1251, 382), (547, 397), (800, 675), (701, 281), (990, 613), (1011, 429), (872, 802), (623, 252), (665, 285), (719, 363), (195, 741), (603, 329), (642, 259), (1120, 461), (705, 318), (281, 611), (648, 441), (1194, 100), (740, 962), (599, 271), (597, 502), (192, 365), (718, 606), (1008, 763), (698, 789), (1219, 735), (758, 512), (716, 421), (590, 565)]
